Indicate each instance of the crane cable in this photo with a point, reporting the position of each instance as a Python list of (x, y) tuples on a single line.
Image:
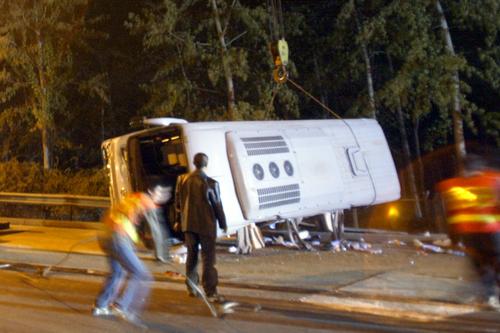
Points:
[(323, 105), (279, 51)]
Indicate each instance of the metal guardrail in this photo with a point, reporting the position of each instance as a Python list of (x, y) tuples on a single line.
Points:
[(55, 199)]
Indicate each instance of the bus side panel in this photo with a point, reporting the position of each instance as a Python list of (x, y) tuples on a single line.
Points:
[(213, 144)]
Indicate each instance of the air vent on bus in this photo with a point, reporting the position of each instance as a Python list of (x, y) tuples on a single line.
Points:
[(278, 196), (264, 145)]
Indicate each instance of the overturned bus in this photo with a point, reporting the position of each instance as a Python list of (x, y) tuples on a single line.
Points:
[(267, 170)]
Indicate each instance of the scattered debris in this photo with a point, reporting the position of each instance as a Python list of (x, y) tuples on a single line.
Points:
[(179, 249), (446, 242), (436, 249), (316, 242), (361, 246), (396, 242), (174, 275), (281, 241), (456, 252), (427, 247), (179, 258), (268, 240), (304, 234)]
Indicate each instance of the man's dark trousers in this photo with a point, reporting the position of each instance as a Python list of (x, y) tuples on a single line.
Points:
[(210, 277)]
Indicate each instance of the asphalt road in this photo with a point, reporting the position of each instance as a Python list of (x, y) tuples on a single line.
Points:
[(62, 303)]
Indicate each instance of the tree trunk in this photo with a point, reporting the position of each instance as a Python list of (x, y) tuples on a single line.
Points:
[(46, 148), (319, 80), (369, 81), (231, 106), (368, 68), (418, 153), (456, 113), (44, 107), (406, 152)]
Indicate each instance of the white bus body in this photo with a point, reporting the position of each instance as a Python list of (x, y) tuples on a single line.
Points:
[(267, 170)]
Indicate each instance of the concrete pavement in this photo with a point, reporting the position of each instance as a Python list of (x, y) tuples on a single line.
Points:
[(396, 279)]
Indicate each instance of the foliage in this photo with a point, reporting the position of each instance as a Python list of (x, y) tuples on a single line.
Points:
[(184, 59), (27, 177), (38, 42)]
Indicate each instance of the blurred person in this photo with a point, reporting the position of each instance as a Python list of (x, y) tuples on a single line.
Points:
[(472, 204), (199, 204), (155, 220), (118, 242)]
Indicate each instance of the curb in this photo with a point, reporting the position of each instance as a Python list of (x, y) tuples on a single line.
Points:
[(50, 223), (421, 310)]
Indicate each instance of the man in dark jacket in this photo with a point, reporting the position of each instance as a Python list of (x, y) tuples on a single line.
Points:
[(200, 207)]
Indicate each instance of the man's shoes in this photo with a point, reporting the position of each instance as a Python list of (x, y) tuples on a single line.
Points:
[(216, 298), (101, 311), (494, 303), (193, 293), (129, 317)]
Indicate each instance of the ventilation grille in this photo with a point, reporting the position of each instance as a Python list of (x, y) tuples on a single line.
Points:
[(265, 145), (278, 196)]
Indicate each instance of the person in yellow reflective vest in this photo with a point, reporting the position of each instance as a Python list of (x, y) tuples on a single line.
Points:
[(472, 204), (118, 240)]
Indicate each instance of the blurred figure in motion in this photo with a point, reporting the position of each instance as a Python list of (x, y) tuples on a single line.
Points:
[(118, 242), (155, 219), (472, 204)]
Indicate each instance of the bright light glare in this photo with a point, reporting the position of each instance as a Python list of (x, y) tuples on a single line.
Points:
[(393, 212)]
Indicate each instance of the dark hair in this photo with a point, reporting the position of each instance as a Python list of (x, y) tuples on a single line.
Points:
[(200, 160)]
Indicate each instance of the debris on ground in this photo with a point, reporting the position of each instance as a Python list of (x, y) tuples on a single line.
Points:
[(396, 242), (174, 275), (427, 247), (179, 258), (446, 242), (334, 246), (281, 241), (268, 240), (436, 249), (361, 246), (178, 249)]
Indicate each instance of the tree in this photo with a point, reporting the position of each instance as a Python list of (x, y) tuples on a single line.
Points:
[(225, 59), (456, 113), (38, 41), (205, 65)]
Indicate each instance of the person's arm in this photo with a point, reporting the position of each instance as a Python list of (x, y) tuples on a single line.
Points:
[(216, 203), (178, 202)]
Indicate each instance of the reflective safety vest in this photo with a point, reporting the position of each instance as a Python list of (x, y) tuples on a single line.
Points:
[(472, 203), (123, 217)]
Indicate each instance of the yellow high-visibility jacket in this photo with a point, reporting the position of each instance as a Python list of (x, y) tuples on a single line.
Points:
[(472, 203)]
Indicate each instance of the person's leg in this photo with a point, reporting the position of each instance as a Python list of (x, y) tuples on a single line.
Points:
[(160, 235), (210, 277), (191, 240), (495, 243), (480, 250), (113, 282), (137, 290)]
